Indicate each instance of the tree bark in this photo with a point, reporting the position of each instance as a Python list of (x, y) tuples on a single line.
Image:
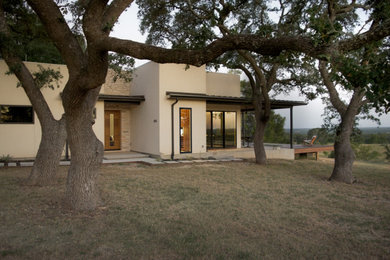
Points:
[(49, 153), (87, 151), (344, 155), (262, 112), (260, 155)]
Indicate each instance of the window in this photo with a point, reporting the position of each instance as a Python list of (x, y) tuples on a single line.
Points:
[(230, 129), (185, 130), (221, 129), (10, 114)]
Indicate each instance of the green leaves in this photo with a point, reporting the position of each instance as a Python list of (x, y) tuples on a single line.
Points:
[(122, 65), (47, 77), (29, 40)]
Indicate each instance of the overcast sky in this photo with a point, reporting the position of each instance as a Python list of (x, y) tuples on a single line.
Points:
[(304, 116)]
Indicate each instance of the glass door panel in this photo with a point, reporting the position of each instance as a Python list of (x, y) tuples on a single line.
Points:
[(221, 129), (112, 130), (217, 137), (185, 130), (208, 130), (230, 129)]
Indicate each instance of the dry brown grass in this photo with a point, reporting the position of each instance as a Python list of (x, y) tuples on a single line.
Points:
[(286, 209)]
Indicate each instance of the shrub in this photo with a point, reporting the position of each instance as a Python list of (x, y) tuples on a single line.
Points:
[(365, 152)]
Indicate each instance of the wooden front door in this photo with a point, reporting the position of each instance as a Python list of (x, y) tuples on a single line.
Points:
[(112, 130)]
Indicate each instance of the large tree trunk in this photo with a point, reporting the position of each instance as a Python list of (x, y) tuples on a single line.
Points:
[(260, 155), (344, 155), (49, 153), (262, 115), (87, 151)]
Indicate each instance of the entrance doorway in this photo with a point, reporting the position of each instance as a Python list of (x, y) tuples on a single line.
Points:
[(112, 130)]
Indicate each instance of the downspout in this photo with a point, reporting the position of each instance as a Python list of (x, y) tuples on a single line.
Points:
[(172, 128)]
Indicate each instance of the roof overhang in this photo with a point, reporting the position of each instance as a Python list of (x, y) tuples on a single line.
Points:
[(245, 103), (137, 99)]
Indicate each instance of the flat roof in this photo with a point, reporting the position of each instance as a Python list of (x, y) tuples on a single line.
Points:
[(136, 99), (245, 102)]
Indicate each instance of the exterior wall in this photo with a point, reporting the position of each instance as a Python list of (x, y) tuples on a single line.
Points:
[(145, 127), (125, 122), (175, 77), (118, 87), (178, 78), (22, 140), (145, 117), (229, 108), (221, 84), (151, 121), (198, 129), (98, 127)]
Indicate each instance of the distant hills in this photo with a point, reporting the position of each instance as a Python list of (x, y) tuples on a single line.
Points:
[(365, 130)]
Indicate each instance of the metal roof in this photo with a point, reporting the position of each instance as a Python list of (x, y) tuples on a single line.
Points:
[(122, 99), (244, 102)]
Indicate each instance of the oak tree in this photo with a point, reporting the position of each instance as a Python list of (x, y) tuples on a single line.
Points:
[(88, 65), (22, 35)]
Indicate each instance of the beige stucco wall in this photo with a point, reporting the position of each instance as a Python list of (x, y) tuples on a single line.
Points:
[(98, 127), (221, 84), (151, 121), (145, 117), (178, 78), (198, 127), (145, 127), (22, 140)]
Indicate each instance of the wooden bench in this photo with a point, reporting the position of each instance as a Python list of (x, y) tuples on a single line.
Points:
[(313, 150)]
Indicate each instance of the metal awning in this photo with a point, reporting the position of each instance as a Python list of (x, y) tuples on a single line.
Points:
[(136, 99), (244, 102)]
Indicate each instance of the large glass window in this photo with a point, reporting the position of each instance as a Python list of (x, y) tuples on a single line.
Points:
[(10, 114), (230, 129), (221, 129), (218, 141), (185, 130)]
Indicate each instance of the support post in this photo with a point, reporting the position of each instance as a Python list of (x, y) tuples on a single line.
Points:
[(291, 127)]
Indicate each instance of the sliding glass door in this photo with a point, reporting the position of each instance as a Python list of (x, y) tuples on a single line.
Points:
[(221, 129)]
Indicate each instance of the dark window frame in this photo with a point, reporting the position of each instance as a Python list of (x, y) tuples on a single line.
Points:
[(19, 123), (182, 108), (223, 130)]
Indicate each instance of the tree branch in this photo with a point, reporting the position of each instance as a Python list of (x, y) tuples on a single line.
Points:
[(252, 81), (17, 66), (375, 33), (60, 33), (114, 10), (272, 76), (333, 94)]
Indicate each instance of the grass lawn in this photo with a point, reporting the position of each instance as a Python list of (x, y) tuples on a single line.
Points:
[(286, 209)]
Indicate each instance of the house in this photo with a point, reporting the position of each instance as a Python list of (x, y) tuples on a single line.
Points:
[(169, 111)]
